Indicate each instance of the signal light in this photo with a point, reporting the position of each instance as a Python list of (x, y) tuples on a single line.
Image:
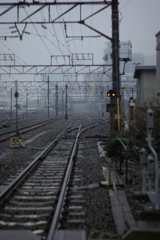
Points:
[(111, 93)]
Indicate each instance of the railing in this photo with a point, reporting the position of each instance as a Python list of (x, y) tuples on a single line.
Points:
[(149, 163)]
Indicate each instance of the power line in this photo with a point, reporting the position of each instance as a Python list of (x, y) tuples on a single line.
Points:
[(125, 4), (16, 57), (67, 45), (90, 29), (38, 33), (72, 30)]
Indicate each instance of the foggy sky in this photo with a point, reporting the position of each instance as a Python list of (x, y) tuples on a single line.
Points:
[(139, 22)]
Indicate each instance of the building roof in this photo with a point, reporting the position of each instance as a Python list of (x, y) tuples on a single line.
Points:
[(139, 69), (157, 34)]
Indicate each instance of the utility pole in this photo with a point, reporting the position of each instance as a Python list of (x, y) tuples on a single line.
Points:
[(16, 96), (115, 63), (48, 97), (62, 102), (66, 104), (56, 99), (38, 102), (27, 102), (11, 104)]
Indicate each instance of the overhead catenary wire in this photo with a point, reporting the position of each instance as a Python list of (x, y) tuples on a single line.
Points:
[(16, 57), (39, 34), (125, 4), (90, 29), (67, 46), (41, 37), (12, 52), (64, 36), (62, 33), (81, 35), (57, 37), (72, 30), (58, 42)]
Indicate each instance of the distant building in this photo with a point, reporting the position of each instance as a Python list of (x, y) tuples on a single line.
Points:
[(137, 59), (4, 96), (93, 89), (140, 67), (128, 85), (150, 60), (125, 54)]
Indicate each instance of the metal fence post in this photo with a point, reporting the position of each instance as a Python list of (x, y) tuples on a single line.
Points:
[(120, 167), (126, 169), (154, 196), (143, 162)]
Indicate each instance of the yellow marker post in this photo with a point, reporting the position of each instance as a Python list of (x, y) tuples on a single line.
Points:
[(136, 101)]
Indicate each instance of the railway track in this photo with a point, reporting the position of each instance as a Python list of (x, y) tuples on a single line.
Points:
[(10, 121), (43, 198), (5, 135)]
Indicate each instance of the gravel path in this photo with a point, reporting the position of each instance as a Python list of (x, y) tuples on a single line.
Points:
[(99, 219)]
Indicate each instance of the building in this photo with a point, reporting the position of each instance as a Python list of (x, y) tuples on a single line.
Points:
[(4, 96), (150, 60), (137, 59), (158, 64), (125, 55), (128, 85), (96, 91), (146, 83), (139, 76)]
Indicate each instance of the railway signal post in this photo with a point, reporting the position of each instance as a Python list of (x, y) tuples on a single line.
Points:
[(115, 65), (16, 96)]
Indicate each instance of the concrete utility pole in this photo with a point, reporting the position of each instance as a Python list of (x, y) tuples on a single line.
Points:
[(62, 102), (66, 104), (11, 104), (48, 96), (38, 103), (115, 62), (56, 99), (16, 96), (27, 102)]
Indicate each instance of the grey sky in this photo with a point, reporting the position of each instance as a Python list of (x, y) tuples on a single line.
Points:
[(140, 21)]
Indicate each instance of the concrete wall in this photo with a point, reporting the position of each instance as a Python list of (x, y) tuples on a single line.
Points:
[(147, 86)]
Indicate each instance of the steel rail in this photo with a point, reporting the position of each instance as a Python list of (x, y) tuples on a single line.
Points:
[(63, 190), (87, 126), (59, 206), (29, 128), (6, 120), (93, 125), (23, 127), (9, 189)]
